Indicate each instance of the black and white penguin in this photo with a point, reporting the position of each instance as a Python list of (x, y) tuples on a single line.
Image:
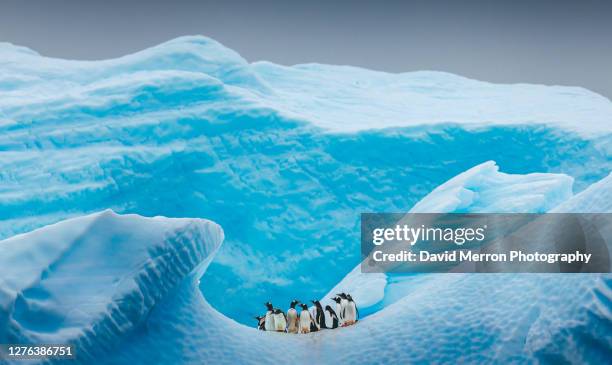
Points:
[(292, 318), (335, 322), (280, 321), (306, 321), (354, 305), (350, 311), (269, 318), (261, 322), (319, 317), (339, 313), (343, 305)]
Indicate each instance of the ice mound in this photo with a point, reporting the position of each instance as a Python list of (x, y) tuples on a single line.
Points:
[(92, 280), (284, 158), (597, 198), (481, 189)]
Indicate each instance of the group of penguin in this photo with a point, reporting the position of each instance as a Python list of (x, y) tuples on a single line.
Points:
[(312, 320)]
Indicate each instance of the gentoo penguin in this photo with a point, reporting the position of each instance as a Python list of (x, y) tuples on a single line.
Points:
[(280, 321), (343, 305), (292, 318), (306, 321), (338, 301), (354, 305), (261, 320), (350, 311), (319, 317), (334, 318), (269, 319)]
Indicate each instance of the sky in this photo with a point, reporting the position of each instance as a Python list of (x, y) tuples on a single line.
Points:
[(545, 42)]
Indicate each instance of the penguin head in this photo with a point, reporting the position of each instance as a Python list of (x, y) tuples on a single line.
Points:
[(316, 303), (348, 296), (269, 306), (336, 299), (277, 311), (293, 303), (342, 295), (304, 306), (328, 308)]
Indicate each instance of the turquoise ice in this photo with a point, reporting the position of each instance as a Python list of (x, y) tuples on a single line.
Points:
[(284, 159)]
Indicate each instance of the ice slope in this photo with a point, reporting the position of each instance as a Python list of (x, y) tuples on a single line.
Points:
[(349, 99), (92, 280), (481, 189), (597, 198), (284, 158)]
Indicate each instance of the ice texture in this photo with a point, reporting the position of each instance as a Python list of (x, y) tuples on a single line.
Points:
[(283, 158), (481, 189), (484, 189), (125, 290), (90, 281)]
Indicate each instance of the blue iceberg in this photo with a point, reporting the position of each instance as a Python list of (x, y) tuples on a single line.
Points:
[(283, 159)]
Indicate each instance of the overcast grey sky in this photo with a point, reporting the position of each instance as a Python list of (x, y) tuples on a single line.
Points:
[(550, 42)]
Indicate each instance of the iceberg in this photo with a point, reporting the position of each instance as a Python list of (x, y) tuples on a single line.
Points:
[(283, 158), (124, 289)]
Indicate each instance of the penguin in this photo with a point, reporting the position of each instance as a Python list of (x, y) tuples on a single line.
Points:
[(343, 305), (306, 321), (338, 301), (280, 320), (354, 305), (319, 314), (334, 317), (269, 318), (292, 318), (261, 322), (350, 310)]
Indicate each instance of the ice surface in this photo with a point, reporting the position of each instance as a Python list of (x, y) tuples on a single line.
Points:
[(89, 281), (344, 98), (597, 198), (284, 158), (481, 189), (124, 289)]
